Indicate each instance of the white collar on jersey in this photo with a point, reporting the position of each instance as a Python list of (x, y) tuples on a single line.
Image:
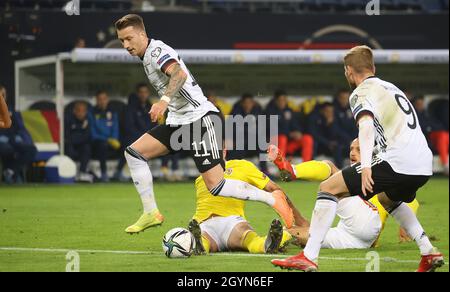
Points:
[(148, 45)]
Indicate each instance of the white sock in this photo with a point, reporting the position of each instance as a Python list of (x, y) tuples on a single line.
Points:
[(142, 178), (241, 190), (322, 218), (408, 221)]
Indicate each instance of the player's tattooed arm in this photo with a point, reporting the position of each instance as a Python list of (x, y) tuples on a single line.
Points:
[(177, 79)]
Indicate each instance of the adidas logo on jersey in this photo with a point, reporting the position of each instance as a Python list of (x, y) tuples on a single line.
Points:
[(206, 162)]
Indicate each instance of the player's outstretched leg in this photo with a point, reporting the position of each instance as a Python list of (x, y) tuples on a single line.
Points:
[(147, 220), (431, 257), (274, 237), (430, 262), (298, 262), (281, 206), (244, 191), (321, 221), (143, 181), (287, 172), (311, 170), (196, 231)]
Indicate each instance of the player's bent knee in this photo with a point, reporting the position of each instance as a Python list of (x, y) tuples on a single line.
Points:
[(213, 177), (238, 235), (130, 152), (387, 203), (327, 186), (334, 185)]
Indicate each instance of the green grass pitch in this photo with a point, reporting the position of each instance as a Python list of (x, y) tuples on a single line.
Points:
[(39, 223)]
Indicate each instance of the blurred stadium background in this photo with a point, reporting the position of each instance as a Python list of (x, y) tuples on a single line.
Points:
[(44, 75), (251, 57)]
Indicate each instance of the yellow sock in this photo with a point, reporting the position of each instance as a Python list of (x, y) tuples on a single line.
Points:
[(206, 244), (286, 237), (383, 217), (383, 213), (313, 170), (253, 242), (414, 205)]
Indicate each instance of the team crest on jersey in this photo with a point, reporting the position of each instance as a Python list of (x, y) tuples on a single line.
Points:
[(353, 101), (156, 52), (228, 171)]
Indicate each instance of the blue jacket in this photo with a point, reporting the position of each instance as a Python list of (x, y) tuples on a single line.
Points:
[(77, 132), (429, 123), (346, 122), (288, 120), (239, 110), (137, 121), (323, 134), (17, 133), (104, 124)]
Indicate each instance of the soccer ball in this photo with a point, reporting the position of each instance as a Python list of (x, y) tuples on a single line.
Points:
[(178, 243)]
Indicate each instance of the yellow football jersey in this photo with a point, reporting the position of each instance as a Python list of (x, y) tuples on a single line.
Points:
[(208, 204), (224, 106)]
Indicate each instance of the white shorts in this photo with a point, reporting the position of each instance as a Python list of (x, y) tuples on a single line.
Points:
[(358, 237), (220, 228)]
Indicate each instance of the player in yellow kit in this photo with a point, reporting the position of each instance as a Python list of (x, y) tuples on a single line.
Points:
[(321, 170), (219, 223)]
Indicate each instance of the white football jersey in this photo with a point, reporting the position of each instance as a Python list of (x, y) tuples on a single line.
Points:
[(359, 227), (399, 138), (189, 104), (356, 214)]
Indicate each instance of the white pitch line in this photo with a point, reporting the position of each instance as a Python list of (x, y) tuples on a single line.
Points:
[(227, 254), (67, 250)]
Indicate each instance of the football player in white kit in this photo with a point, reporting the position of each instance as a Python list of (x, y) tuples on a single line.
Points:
[(193, 125), (402, 164), (360, 223)]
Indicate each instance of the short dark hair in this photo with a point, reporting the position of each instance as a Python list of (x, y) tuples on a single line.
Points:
[(325, 104), (279, 92), (130, 20), (247, 95), (80, 103), (417, 98), (101, 91), (140, 85), (341, 90)]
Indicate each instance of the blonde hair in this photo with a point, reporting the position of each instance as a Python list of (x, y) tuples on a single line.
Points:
[(133, 20), (360, 58)]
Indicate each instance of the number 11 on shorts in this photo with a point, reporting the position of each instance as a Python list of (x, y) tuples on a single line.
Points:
[(202, 146)]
